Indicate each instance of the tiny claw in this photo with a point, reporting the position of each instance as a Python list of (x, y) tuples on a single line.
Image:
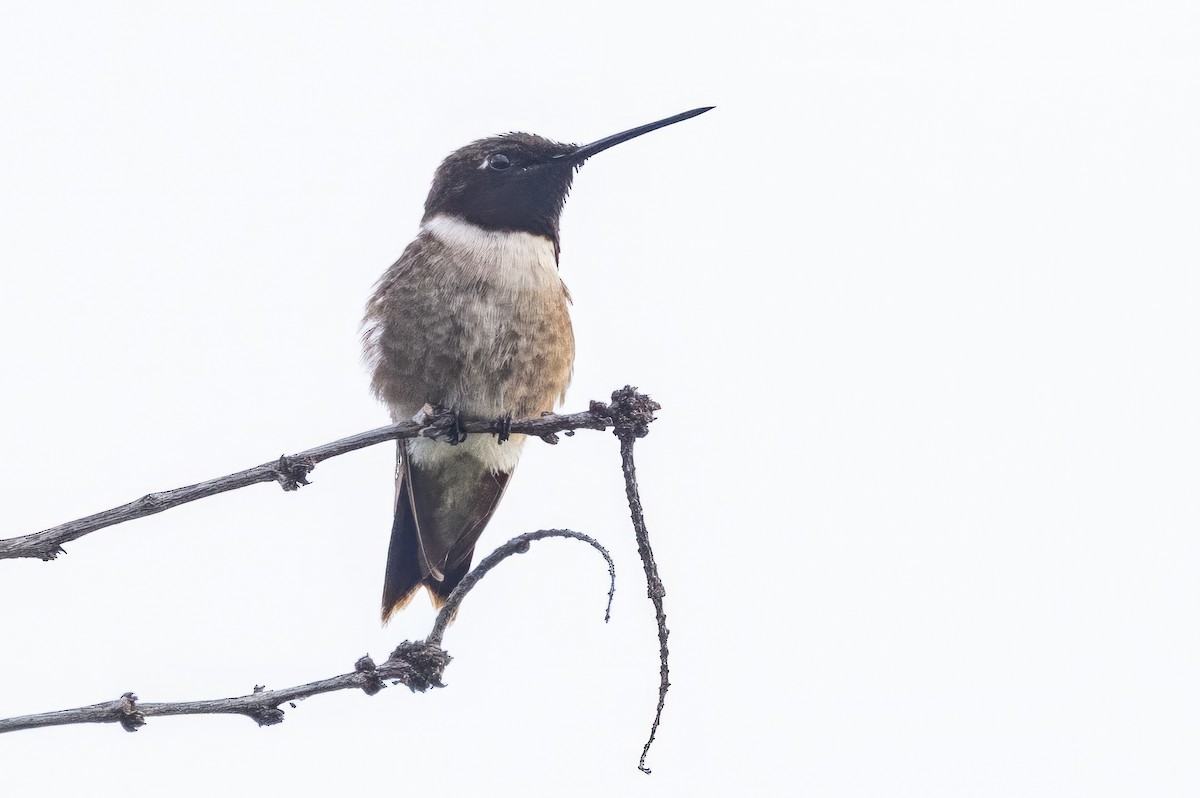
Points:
[(128, 714), (504, 427), (458, 434)]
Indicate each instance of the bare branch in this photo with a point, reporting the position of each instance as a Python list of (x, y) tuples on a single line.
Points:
[(633, 413), (416, 665), (517, 545), (291, 472)]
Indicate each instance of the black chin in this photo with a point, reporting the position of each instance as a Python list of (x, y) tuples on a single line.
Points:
[(529, 202)]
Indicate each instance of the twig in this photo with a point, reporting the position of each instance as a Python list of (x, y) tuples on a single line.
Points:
[(416, 665), (290, 471), (633, 413), (517, 545)]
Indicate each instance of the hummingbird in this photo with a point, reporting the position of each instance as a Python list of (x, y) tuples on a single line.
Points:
[(473, 318)]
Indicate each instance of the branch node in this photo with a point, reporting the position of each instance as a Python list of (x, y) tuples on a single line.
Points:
[(372, 683), (292, 472), (150, 503), (416, 665), (631, 412), (128, 715), (264, 716), (549, 437), (46, 551)]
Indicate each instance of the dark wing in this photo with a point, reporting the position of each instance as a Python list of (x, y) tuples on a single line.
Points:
[(441, 511)]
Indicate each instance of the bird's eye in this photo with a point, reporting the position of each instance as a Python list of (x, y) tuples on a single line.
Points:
[(499, 162)]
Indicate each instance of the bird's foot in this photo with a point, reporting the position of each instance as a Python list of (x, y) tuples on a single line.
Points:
[(444, 423), (504, 427)]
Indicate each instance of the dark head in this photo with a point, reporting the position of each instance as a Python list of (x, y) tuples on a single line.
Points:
[(518, 181)]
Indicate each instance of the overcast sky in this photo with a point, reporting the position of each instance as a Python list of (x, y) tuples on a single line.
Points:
[(920, 299)]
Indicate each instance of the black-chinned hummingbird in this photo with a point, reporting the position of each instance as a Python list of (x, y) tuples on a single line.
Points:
[(473, 317)]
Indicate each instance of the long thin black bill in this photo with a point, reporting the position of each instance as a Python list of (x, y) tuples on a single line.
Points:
[(588, 150)]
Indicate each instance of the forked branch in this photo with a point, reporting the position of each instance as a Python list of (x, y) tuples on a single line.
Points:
[(416, 665)]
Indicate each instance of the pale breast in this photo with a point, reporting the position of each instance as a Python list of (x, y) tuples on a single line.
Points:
[(471, 318)]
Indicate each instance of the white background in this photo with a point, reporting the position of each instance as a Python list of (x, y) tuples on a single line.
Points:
[(920, 300)]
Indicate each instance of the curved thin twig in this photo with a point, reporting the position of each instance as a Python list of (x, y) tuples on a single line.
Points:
[(291, 472), (416, 665), (633, 413), (517, 545)]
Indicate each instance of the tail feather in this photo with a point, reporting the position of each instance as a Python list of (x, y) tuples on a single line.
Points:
[(403, 575), (440, 513), (440, 591)]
